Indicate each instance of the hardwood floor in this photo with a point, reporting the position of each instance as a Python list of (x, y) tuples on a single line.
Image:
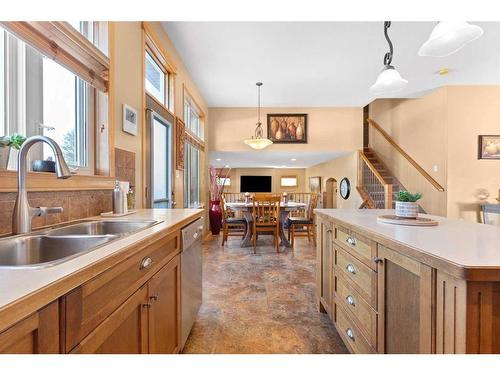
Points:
[(261, 303)]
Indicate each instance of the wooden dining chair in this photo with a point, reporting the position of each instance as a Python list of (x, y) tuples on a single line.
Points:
[(231, 226), (266, 214), (296, 223)]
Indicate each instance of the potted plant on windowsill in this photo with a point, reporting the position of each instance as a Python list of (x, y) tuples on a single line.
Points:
[(6, 143), (406, 204)]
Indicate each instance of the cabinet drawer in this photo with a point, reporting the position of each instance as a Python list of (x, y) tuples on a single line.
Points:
[(361, 247), (364, 278), (88, 305), (358, 308), (351, 334)]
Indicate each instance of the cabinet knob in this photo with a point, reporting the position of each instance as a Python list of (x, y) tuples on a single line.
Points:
[(154, 298), (350, 334), (351, 269), (351, 241), (378, 260), (146, 263), (350, 300), (146, 305)]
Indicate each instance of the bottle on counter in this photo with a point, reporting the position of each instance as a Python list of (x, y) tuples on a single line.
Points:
[(119, 202), (131, 198)]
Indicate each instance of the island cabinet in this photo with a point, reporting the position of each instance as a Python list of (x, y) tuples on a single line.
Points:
[(387, 297), (131, 306)]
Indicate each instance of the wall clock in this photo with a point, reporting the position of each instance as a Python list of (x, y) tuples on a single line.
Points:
[(345, 188)]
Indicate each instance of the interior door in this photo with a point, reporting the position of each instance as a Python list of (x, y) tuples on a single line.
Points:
[(160, 186)]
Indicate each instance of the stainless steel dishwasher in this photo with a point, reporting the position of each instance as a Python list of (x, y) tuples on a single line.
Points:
[(191, 275)]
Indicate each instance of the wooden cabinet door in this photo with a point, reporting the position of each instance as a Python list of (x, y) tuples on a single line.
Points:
[(404, 304), (125, 331), (38, 333), (165, 310), (325, 254)]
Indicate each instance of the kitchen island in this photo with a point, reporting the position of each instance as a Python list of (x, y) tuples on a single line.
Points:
[(401, 289), (121, 297)]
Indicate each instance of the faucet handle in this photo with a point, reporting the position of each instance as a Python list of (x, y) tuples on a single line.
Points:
[(43, 211)]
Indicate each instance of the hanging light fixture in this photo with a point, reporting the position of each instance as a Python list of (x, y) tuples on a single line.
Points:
[(257, 142), (389, 80), (448, 37)]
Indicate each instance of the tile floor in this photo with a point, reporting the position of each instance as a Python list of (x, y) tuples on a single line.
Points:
[(263, 303)]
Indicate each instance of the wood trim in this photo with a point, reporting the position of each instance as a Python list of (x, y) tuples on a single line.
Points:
[(180, 139), (185, 91), (391, 141), (65, 45), (42, 181), (153, 42)]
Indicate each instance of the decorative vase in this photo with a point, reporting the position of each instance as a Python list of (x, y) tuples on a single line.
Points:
[(299, 132), (4, 156), (408, 210), (215, 216)]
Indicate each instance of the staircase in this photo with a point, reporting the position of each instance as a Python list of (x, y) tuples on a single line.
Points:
[(378, 186)]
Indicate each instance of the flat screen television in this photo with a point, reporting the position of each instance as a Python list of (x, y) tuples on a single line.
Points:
[(255, 184)]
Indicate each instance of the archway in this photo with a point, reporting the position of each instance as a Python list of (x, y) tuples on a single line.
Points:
[(330, 198)]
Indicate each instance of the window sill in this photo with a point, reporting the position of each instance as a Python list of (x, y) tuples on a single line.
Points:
[(42, 181)]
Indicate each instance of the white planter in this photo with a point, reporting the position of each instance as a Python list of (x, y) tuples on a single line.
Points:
[(407, 209), (4, 156)]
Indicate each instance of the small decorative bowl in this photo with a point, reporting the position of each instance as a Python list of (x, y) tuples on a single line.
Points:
[(44, 166)]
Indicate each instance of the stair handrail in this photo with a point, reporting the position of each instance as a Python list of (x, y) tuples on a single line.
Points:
[(383, 182), (391, 141)]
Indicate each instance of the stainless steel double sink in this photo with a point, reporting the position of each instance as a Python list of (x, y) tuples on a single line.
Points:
[(53, 246)]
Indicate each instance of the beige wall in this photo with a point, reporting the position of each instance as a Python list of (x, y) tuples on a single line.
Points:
[(127, 79), (419, 126), (472, 111), (329, 129), (344, 166), (442, 129), (275, 173)]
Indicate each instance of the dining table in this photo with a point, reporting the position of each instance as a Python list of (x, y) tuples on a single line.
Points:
[(247, 211)]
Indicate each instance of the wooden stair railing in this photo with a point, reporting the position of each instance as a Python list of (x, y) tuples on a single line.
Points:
[(373, 184), (391, 141), (367, 200)]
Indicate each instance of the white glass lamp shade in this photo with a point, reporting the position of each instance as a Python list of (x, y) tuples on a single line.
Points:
[(388, 81), (258, 143), (448, 37)]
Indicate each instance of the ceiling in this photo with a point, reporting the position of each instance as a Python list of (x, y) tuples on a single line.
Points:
[(319, 64), (269, 159)]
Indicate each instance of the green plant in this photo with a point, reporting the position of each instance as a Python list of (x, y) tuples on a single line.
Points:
[(15, 141), (406, 196)]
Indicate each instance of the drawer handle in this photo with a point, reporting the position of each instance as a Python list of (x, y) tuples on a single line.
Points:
[(146, 263), (350, 334), (146, 305), (350, 300), (378, 260), (351, 241), (351, 269), (154, 298)]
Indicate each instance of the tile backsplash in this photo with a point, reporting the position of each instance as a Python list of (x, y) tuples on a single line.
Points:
[(125, 166), (76, 205)]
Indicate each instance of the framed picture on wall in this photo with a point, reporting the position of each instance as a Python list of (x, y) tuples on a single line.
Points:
[(489, 147), (287, 127), (315, 184)]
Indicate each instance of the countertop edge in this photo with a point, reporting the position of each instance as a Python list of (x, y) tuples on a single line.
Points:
[(21, 308), (469, 273)]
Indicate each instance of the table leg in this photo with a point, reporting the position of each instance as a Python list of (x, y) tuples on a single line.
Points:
[(247, 241), (283, 218)]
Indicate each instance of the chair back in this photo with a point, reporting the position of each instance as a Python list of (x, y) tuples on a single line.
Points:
[(313, 203), (225, 212), (266, 209)]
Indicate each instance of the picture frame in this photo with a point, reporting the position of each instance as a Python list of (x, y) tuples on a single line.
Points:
[(488, 147), (315, 184), (287, 127), (130, 119), (180, 138)]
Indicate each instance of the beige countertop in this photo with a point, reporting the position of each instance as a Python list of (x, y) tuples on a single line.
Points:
[(463, 243), (17, 284)]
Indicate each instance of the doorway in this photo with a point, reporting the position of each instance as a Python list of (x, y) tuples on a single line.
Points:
[(159, 160), (330, 199)]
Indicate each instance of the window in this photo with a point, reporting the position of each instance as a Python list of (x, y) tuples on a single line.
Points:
[(156, 80), (39, 96), (191, 176), (192, 117), (288, 181), (95, 32)]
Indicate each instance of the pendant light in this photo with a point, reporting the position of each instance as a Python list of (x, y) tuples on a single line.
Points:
[(389, 80), (448, 37), (257, 142)]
